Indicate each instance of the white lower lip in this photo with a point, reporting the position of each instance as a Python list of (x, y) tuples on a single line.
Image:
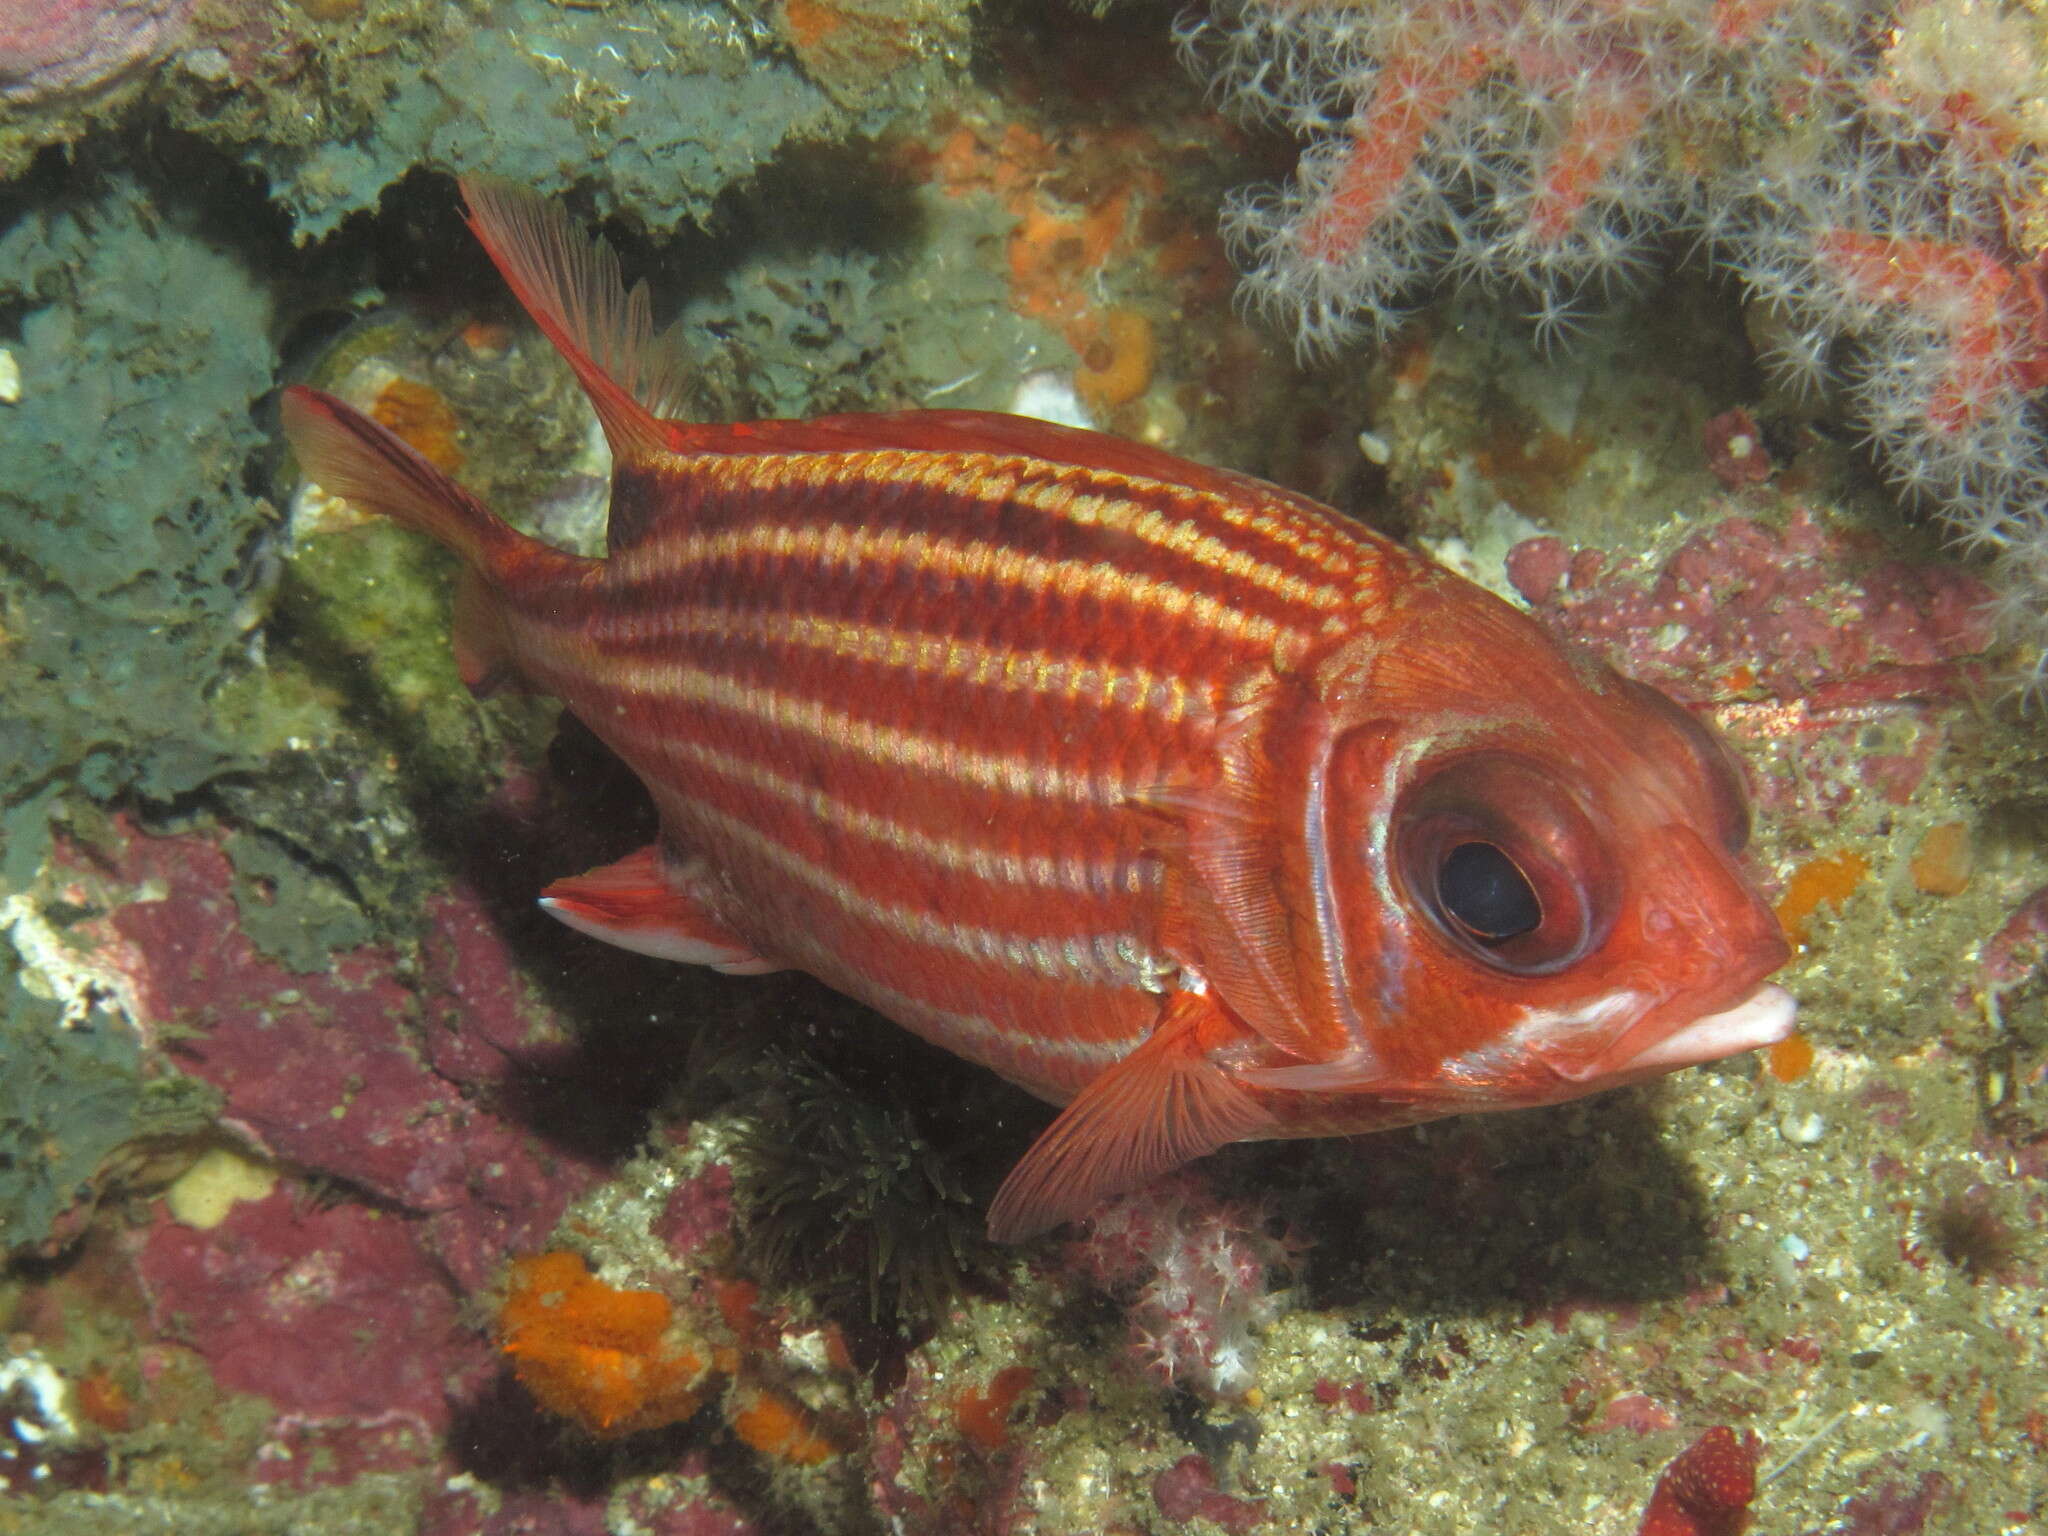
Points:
[(1763, 1018)]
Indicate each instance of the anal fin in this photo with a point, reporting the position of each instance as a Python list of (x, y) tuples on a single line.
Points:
[(652, 905), (1159, 1107)]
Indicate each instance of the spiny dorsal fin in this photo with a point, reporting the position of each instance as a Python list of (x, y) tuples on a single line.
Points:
[(571, 284)]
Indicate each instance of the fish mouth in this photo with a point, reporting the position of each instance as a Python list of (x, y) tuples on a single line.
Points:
[(1764, 1017)]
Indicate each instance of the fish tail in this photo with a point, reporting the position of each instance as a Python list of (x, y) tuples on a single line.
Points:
[(348, 455)]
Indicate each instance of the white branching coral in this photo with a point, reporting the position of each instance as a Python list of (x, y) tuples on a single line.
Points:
[(1874, 174)]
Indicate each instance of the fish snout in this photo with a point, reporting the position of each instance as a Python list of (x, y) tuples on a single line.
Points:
[(1704, 921)]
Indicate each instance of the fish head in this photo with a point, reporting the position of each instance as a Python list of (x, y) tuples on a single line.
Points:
[(1526, 873)]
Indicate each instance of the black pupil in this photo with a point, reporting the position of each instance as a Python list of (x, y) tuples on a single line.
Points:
[(1485, 893)]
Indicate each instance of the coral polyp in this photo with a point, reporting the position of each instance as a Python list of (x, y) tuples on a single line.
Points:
[(1871, 174)]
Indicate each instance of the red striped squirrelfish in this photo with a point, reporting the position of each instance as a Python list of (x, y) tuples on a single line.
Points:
[(1168, 794)]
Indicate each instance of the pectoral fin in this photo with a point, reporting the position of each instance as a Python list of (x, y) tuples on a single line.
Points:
[(653, 905), (1162, 1105)]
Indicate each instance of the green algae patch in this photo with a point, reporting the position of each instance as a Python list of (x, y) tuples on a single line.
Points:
[(331, 844), (291, 910), (74, 1094), (369, 613), (133, 562), (661, 115)]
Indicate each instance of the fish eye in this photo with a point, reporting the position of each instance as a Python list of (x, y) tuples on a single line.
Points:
[(1498, 857), (1481, 889)]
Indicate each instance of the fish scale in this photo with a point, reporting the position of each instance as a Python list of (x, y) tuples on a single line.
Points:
[(644, 616), (755, 567), (1168, 794)]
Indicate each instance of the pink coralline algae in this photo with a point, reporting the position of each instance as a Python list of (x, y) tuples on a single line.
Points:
[(1893, 1508), (1735, 450), (937, 1467), (2014, 955), (1635, 1412), (1872, 174), (354, 1318), (337, 1074), (334, 1315), (1187, 1490), (1794, 612), (1796, 631), (51, 49)]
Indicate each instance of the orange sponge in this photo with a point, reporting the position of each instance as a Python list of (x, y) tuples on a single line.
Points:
[(607, 1358), (417, 413), (1116, 362), (1827, 881), (777, 1425)]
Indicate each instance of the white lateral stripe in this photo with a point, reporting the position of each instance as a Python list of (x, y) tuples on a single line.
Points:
[(660, 562), (1182, 536), (941, 656), (1072, 493), (1019, 774), (1096, 959), (1074, 876), (971, 1033)]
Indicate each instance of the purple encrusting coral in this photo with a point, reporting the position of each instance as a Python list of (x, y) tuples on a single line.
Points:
[(56, 48), (338, 1075), (1872, 174)]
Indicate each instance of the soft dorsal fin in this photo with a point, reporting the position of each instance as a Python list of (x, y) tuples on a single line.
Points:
[(1159, 1107), (992, 432), (571, 284)]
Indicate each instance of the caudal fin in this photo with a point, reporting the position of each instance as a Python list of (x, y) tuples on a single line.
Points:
[(348, 455)]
